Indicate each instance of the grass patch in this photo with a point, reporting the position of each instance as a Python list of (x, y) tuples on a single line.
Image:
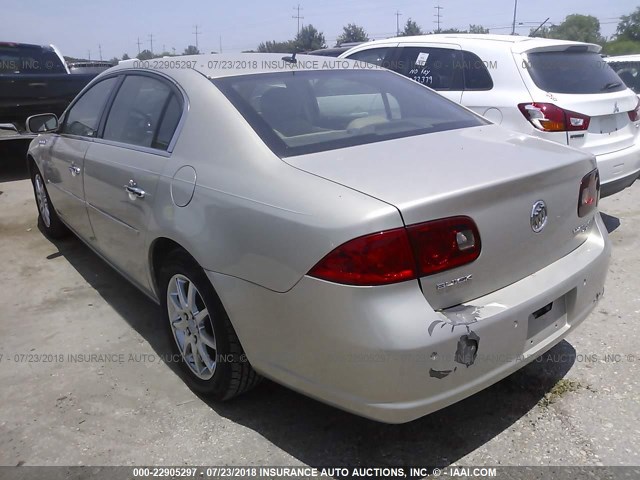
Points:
[(560, 389)]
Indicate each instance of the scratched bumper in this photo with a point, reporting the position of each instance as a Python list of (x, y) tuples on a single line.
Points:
[(383, 353)]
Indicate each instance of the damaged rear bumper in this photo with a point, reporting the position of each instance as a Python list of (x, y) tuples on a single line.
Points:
[(383, 353)]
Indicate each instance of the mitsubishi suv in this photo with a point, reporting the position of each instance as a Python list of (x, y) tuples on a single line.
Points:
[(554, 89)]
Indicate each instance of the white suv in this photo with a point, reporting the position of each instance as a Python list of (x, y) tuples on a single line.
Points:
[(554, 89)]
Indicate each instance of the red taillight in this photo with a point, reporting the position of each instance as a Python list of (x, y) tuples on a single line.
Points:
[(402, 254), (589, 193), (376, 259), (444, 244), (551, 118), (634, 115)]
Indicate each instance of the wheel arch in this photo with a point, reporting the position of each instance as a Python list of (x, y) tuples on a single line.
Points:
[(158, 250)]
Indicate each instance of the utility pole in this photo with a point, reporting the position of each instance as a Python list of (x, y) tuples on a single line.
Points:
[(220, 44), (151, 40), (515, 11), (100, 50), (438, 16), (398, 14), (89, 54), (164, 49), (139, 43), (196, 33), (297, 16)]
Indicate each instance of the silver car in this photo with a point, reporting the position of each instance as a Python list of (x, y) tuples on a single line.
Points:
[(330, 225)]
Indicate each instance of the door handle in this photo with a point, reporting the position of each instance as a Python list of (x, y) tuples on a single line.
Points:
[(75, 171), (134, 191)]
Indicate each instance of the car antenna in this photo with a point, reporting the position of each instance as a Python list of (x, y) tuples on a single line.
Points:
[(291, 59)]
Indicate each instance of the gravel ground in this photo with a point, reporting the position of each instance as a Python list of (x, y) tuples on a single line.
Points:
[(577, 405)]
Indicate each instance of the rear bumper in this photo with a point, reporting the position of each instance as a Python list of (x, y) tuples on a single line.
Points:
[(383, 353), (618, 170)]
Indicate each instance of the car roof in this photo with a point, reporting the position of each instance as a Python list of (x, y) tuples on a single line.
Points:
[(517, 43), (624, 58), (27, 45), (229, 65)]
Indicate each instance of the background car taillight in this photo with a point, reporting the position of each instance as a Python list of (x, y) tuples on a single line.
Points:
[(589, 193), (634, 115), (551, 118), (401, 254)]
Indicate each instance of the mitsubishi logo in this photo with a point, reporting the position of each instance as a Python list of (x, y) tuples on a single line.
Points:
[(538, 216), (616, 109)]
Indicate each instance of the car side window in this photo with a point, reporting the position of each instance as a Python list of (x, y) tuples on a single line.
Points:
[(375, 56), (437, 68), (168, 124), (629, 73), (138, 111), (476, 74), (83, 117)]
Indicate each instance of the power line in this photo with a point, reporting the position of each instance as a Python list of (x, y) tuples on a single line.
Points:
[(398, 14), (438, 16), (297, 16)]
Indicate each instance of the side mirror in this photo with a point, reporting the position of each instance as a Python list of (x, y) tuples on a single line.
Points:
[(45, 122)]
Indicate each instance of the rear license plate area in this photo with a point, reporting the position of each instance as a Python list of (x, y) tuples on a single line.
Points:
[(547, 319)]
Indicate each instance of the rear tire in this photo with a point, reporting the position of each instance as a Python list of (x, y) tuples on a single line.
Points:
[(201, 333), (48, 220)]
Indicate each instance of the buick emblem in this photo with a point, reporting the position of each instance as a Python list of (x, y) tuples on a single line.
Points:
[(538, 216)]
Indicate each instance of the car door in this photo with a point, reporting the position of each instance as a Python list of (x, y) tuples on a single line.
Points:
[(64, 166), (122, 169)]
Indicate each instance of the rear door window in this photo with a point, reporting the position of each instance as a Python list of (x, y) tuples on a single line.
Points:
[(572, 71), (136, 116), (437, 68)]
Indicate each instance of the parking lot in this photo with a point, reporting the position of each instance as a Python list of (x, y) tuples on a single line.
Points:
[(82, 381)]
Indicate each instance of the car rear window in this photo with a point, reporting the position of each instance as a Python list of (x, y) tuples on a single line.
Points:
[(572, 71), (23, 59), (303, 112)]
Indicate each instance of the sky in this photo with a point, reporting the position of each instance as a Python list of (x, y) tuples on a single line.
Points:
[(115, 26)]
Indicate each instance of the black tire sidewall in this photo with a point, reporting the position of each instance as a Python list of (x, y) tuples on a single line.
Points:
[(56, 228), (216, 387)]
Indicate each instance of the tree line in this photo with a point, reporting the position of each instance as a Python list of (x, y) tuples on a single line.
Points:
[(577, 27)]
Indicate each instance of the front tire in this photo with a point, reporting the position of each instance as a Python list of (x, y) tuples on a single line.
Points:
[(200, 331), (48, 220)]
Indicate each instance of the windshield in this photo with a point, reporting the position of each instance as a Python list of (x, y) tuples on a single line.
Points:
[(304, 112), (28, 59), (572, 72)]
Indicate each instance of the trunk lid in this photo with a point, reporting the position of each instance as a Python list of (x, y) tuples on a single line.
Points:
[(487, 173)]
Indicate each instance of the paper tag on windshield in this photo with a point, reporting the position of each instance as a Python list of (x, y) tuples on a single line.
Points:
[(422, 58)]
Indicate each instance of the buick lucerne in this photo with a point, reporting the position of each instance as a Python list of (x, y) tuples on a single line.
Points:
[(330, 225)]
